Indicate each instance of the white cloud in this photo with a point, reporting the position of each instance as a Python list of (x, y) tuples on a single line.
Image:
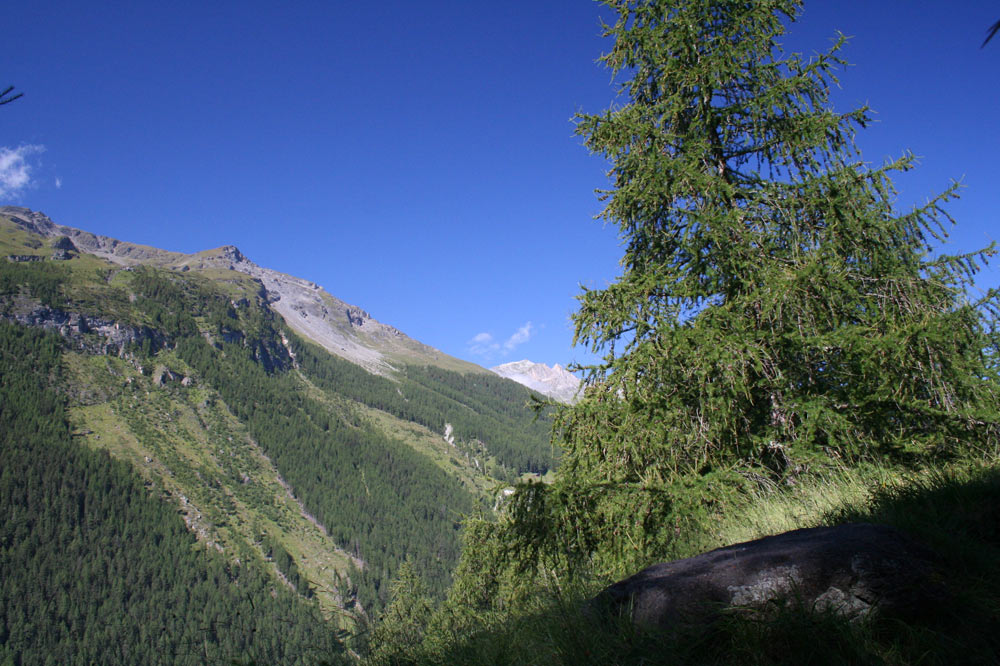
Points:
[(15, 172), (58, 183), (520, 336), (483, 344)]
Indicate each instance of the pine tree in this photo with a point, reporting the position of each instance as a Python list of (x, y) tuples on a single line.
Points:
[(402, 626), (775, 312)]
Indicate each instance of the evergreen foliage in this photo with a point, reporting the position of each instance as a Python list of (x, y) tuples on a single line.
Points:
[(952, 508), (775, 312), (376, 496), (490, 409), (94, 568), (398, 637), (42, 279)]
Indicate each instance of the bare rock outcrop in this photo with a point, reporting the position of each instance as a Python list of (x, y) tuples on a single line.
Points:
[(849, 569), (94, 334)]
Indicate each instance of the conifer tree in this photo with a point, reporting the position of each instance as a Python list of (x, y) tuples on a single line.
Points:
[(775, 312)]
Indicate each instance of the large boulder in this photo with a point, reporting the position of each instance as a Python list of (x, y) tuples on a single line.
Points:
[(848, 569)]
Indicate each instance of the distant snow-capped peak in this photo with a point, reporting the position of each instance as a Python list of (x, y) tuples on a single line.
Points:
[(555, 382)]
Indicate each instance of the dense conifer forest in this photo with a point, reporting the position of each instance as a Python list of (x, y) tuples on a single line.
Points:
[(376, 496), (482, 407), (95, 568)]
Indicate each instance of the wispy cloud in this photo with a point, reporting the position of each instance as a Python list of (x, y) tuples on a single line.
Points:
[(485, 345), (15, 170), (520, 336)]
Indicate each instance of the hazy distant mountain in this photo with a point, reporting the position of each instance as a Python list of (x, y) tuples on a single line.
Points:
[(554, 382)]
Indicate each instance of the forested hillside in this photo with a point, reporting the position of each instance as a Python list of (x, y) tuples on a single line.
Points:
[(319, 477), (96, 568), (485, 408)]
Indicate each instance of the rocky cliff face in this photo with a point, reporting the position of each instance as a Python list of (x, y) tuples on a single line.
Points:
[(308, 309), (95, 335), (555, 382)]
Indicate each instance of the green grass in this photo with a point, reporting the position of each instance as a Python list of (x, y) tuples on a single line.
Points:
[(15, 241), (808, 503), (955, 510)]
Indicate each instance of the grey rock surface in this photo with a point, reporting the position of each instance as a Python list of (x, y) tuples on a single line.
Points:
[(849, 569), (97, 335)]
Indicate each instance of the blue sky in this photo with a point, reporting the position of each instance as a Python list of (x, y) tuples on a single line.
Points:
[(418, 158)]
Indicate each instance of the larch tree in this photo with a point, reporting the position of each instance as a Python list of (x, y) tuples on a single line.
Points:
[(775, 312)]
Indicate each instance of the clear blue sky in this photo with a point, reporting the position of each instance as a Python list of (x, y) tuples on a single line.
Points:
[(418, 158)]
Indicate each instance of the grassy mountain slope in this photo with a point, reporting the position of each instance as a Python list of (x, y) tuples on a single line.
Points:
[(184, 439)]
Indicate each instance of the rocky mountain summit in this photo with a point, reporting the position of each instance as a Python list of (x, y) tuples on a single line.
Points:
[(555, 382), (342, 329)]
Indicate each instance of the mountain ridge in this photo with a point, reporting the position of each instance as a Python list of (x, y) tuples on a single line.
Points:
[(342, 329)]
